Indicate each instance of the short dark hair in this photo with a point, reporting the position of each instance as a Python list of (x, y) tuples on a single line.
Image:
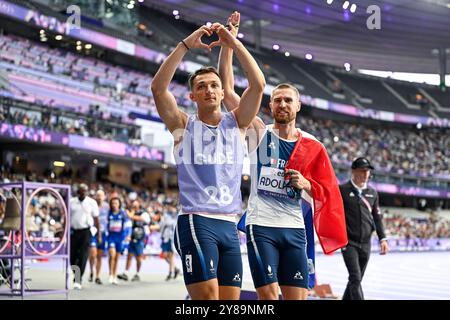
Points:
[(285, 86), (200, 71)]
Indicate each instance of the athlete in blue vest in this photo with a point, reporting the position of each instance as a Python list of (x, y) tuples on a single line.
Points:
[(275, 223), (117, 233), (209, 152)]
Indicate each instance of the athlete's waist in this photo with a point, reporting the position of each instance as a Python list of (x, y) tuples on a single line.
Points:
[(219, 216), (271, 225), (191, 207)]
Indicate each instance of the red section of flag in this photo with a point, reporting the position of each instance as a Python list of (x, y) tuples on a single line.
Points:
[(311, 159)]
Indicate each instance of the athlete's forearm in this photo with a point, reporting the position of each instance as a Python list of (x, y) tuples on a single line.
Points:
[(231, 98), (226, 69), (97, 223)]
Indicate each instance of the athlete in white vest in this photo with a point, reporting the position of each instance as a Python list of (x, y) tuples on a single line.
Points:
[(209, 151), (276, 237)]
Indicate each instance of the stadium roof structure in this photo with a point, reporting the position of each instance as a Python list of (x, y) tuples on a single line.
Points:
[(410, 29)]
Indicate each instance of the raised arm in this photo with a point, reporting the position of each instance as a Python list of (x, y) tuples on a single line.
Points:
[(165, 101), (231, 99), (251, 98)]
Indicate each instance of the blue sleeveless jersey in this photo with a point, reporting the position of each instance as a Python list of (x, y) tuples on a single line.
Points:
[(209, 162), (269, 204), (118, 223)]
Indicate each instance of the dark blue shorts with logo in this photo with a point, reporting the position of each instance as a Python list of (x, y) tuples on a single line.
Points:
[(209, 249), (277, 255), (102, 246), (136, 247), (166, 246)]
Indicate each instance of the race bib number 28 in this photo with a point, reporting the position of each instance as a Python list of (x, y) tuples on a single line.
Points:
[(220, 196)]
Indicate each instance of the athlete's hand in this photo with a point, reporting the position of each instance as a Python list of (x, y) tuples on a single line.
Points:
[(99, 238), (130, 214), (233, 23), (195, 39), (226, 38), (384, 247), (298, 180)]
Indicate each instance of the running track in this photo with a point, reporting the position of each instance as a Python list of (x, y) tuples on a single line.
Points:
[(395, 276)]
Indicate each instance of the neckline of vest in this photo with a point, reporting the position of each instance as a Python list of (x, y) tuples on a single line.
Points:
[(270, 129), (208, 125)]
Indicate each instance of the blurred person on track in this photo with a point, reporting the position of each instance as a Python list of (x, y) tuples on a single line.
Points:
[(117, 234), (98, 241), (140, 220), (84, 213), (166, 227), (363, 216)]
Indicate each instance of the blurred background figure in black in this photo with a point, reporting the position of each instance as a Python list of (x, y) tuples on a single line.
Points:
[(363, 216)]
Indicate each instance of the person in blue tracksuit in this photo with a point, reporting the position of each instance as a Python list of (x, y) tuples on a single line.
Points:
[(117, 234)]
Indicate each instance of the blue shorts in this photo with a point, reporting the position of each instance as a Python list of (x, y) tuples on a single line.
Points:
[(209, 249), (101, 246), (136, 247), (277, 255), (116, 241), (167, 246)]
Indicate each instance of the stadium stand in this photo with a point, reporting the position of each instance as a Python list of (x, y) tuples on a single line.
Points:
[(83, 85)]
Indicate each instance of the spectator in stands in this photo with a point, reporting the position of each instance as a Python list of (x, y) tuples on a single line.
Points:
[(2, 209), (132, 86), (421, 100), (335, 86)]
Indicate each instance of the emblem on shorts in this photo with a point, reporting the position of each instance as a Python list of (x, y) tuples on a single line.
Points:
[(188, 261), (269, 274), (310, 266), (211, 263), (298, 276), (237, 278)]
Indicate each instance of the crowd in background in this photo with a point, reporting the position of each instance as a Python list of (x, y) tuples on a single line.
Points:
[(115, 92), (416, 231), (48, 220), (79, 124), (47, 212), (391, 150), (415, 152)]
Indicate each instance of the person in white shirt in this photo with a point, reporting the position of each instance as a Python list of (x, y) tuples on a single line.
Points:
[(84, 213)]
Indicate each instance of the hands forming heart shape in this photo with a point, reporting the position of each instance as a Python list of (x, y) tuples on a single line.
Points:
[(226, 37)]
